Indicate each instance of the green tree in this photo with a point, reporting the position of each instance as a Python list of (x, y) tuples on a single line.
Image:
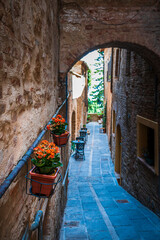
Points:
[(98, 89), (89, 78)]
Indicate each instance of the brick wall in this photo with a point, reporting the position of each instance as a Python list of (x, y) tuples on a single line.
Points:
[(85, 26), (135, 93)]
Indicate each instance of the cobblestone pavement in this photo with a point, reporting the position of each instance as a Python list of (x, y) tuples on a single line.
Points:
[(97, 207)]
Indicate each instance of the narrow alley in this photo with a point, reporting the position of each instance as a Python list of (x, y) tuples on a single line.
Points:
[(69, 67), (97, 207)]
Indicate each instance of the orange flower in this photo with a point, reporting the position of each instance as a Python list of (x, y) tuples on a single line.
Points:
[(57, 125), (44, 142), (48, 151)]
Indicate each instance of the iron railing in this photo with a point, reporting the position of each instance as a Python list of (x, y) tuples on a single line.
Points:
[(7, 182)]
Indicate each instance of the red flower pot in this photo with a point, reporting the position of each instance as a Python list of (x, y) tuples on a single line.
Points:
[(61, 139), (40, 188)]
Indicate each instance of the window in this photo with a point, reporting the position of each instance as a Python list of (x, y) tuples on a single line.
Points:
[(109, 73), (113, 121), (147, 142), (117, 63)]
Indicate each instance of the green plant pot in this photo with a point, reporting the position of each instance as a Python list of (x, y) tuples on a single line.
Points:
[(46, 170)]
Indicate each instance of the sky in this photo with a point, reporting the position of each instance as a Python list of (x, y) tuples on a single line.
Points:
[(90, 59)]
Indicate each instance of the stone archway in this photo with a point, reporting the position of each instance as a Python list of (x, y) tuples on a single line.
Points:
[(73, 126), (85, 26), (118, 151)]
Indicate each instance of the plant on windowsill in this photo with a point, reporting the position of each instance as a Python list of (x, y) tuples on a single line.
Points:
[(47, 162), (57, 128), (146, 156)]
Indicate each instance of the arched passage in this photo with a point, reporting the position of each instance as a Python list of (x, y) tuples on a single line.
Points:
[(108, 24), (147, 54), (118, 152), (73, 124)]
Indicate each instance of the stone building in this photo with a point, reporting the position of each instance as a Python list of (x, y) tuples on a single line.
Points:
[(132, 95), (107, 89), (40, 42), (78, 100)]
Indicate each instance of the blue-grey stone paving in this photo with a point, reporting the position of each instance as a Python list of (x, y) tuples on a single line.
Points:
[(94, 208)]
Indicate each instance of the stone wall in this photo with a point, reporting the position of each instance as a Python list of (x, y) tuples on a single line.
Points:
[(29, 75), (28, 99), (93, 117), (78, 107), (136, 92)]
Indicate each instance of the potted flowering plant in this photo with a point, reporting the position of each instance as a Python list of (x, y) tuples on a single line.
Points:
[(47, 162), (57, 128)]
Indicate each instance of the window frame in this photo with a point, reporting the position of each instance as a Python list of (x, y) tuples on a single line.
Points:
[(153, 125)]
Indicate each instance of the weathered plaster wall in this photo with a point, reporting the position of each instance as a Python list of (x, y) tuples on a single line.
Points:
[(107, 92), (135, 92), (29, 75), (78, 106), (85, 25), (28, 98)]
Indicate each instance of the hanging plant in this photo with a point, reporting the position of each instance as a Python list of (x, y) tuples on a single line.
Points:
[(47, 162), (57, 128)]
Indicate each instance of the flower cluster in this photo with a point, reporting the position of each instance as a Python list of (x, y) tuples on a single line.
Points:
[(46, 155), (57, 125)]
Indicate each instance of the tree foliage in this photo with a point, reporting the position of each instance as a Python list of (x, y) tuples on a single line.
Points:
[(89, 78), (95, 102)]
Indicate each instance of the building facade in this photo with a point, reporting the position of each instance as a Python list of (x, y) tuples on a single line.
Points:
[(78, 100), (132, 97), (40, 42)]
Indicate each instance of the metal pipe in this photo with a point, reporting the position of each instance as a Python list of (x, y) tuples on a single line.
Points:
[(66, 98), (37, 220), (7, 182), (64, 180), (38, 224), (40, 231)]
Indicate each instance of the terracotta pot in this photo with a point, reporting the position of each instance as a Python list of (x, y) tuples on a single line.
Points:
[(40, 188), (62, 139)]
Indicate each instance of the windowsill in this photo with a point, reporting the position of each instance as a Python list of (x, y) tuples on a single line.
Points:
[(146, 165)]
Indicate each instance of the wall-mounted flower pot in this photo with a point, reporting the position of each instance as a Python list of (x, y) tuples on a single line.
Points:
[(102, 130), (39, 187), (62, 139)]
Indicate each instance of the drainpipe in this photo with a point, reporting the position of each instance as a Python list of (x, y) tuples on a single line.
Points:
[(38, 224), (66, 98)]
